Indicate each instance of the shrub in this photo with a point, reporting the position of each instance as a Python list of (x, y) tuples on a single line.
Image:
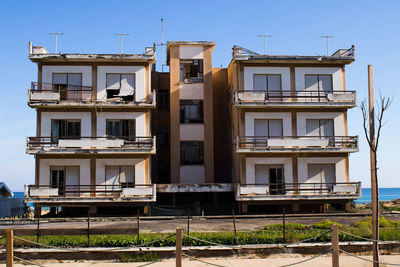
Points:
[(288, 226), (327, 224)]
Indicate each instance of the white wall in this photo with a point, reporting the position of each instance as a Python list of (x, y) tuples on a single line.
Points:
[(84, 117), (47, 73), (140, 76), (251, 170), (338, 121), (335, 72), (192, 132), (251, 116), (142, 126), (191, 91), (45, 164), (190, 52), (339, 162), (192, 174), (250, 71), (139, 163)]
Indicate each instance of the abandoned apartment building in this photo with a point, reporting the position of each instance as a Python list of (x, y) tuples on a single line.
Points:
[(266, 133)]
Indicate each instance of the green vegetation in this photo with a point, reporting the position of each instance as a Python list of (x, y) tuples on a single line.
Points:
[(271, 234)]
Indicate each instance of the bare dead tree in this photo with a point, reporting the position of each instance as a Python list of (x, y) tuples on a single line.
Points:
[(368, 115)]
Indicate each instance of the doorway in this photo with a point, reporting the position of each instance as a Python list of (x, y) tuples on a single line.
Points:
[(276, 180)]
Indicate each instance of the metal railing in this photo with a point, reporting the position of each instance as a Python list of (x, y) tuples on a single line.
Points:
[(287, 96), (292, 142), (136, 142), (66, 92), (85, 191), (348, 188)]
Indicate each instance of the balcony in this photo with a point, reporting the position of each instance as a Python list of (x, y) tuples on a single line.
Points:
[(54, 95), (261, 144), (305, 98), (100, 145), (297, 191), (91, 193)]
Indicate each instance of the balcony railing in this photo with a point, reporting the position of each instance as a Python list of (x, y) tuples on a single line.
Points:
[(48, 93), (125, 190), (295, 143), (109, 143), (251, 97), (297, 190), (42, 92)]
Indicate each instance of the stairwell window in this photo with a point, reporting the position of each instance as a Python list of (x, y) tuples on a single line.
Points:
[(191, 111), (192, 153), (120, 85), (191, 70)]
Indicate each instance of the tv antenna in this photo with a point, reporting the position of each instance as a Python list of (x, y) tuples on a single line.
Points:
[(327, 38), (122, 40), (56, 34), (265, 41), (162, 37)]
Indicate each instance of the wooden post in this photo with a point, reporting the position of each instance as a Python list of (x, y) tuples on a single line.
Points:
[(234, 226), (88, 227), (188, 222), (374, 182), (9, 248), (284, 225), (38, 224), (335, 246), (178, 247), (138, 225)]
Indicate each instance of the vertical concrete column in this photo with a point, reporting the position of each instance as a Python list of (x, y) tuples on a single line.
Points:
[(174, 114)]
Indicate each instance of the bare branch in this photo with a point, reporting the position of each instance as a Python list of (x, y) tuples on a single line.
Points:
[(365, 119), (384, 105)]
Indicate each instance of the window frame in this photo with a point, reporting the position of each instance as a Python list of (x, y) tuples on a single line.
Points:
[(122, 184), (320, 90), (121, 128), (65, 136), (117, 91), (268, 74), (182, 71), (200, 111), (199, 161), (67, 84)]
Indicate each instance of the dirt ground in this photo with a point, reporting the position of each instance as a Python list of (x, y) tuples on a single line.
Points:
[(198, 223), (276, 260)]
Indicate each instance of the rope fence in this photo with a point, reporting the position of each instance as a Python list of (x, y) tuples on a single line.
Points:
[(361, 258), (202, 261), (27, 261), (364, 238), (312, 258)]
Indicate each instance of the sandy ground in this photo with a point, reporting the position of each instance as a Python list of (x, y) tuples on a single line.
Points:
[(198, 223), (277, 260)]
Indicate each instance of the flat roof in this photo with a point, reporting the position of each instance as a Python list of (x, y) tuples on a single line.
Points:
[(202, 43)]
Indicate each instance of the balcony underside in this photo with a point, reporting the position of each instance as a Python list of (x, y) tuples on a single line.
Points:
[(297, 197), (91, 104), (57, 151), (89, 200), (295, 150), (255, 105), (194, 188)]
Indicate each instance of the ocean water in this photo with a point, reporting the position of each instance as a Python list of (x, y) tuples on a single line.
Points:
[(385, 194)]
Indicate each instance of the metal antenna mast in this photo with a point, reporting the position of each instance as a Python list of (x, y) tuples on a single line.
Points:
[(265, 41), (56, 34), (122, 40), (327, 37), (162, 37)]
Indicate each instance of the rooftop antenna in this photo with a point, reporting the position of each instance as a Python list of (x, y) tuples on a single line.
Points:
[(265, 41), (56, 34), (162, 37), (327, 37), (122, 40)]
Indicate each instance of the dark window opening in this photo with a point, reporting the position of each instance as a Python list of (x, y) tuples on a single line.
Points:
[(124, 129), (163, 99), (192, 153), (191, 111), (69, 129), (191, 70), (120, 85)]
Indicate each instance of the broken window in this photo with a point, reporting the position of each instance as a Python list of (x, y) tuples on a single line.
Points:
[(191, 111), (124, 129), (67, 84), (192, 153), (66, 129), (120, 85), (191, 70)]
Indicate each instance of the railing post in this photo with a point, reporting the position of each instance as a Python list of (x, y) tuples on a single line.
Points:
[(138, 225), (234, 226), (188, 222), (9, 248), (335, 246), (284, 225), (88, 227), (178, 247)]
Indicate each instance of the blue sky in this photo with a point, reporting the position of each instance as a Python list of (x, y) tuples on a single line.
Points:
[(295, 26)]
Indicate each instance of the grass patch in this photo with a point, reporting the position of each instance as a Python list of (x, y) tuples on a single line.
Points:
[(327, 224), (144, 257)]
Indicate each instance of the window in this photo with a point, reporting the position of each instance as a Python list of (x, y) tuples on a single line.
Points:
[(321, 173), (267, 82), (120, 85), (123, 175), (57, 177), (121, 129), (191, 70), (163, 99), (320, 127), (192, 153), (163, 137), (319, 82), (268, 128), (66, 129), (70, 80), (191, 111)]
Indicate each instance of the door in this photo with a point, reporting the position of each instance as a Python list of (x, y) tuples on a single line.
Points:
[(276, 181), (57, 179)]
